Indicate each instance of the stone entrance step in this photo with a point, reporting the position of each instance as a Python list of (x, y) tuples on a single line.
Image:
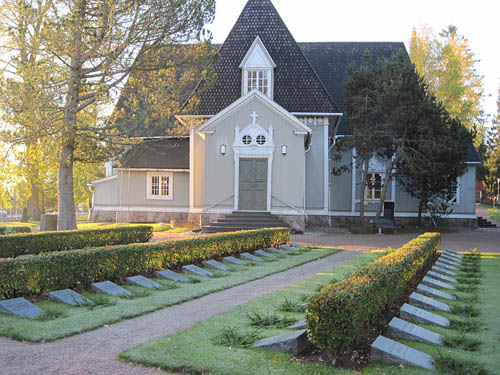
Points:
[(244, 221), (483, 223)]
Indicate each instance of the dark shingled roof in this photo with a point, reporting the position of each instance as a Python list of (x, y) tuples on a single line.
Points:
[(297, 87), (331, 62), (170, 153), (473, 156)]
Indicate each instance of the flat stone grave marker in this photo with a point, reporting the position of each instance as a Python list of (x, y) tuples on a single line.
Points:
[(418, 315), (276, 251), (448, 262), (443, 271), (301, 324), (171, 275), (111, 288), (440, 277), (297, 245), (195, 270), (20, 307), (446, 266), (401, 329), (293, 343), (234, 260), (450, 258), (70, 297), (251, 257), (431, 292), (452, 252), (143, 281), (265, 254), (216, 265), (390, 351), (433, 283), (288, 248), (424, 302)]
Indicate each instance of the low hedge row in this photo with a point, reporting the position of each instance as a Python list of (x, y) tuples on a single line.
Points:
[(80, 268), (338, 315), (9, 230), (36, 243)]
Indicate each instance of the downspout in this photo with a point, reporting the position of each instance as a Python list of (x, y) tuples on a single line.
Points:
[(128, 198), (334, 140)]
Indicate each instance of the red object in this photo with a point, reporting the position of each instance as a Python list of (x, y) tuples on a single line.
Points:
[(480, 186)]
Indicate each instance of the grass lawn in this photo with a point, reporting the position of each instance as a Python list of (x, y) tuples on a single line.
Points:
[(62, 320), (156, 227), (19, 224), (195, 350)]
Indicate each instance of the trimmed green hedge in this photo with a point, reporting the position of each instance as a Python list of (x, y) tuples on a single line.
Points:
[(9, 230), (339, 313), (36, 243), (80, 268)]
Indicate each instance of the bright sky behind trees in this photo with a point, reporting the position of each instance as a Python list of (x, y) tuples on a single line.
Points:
[(386, 20)]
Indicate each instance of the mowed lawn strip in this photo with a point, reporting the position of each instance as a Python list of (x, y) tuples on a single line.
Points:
[(195, 350), (488, 334), (68, 321)]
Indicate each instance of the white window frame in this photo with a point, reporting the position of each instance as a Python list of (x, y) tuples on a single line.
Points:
[(170, 186), (373, 190), (456, 199), (269, 80)]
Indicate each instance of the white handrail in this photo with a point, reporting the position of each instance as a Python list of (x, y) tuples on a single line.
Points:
[(288, 204), (218, 202)]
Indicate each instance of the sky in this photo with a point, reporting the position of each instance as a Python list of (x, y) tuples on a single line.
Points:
[(386, 21)]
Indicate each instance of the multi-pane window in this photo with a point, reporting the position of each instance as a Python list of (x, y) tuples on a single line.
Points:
[(159, 186), (374, 186), (258, 80)]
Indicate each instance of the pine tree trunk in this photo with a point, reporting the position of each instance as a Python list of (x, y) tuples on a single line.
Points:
[(66, 196), (34, 210), (421, 206), (387, 182), (364, 180)]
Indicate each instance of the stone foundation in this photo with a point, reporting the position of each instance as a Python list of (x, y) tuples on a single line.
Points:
[(338, 221), (138, 217), (297, 222)]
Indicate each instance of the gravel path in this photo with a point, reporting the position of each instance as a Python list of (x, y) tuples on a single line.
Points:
[(95, 352), (464, 240)]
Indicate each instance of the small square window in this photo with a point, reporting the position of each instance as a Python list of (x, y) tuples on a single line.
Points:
[(159, 186), (258, 80)]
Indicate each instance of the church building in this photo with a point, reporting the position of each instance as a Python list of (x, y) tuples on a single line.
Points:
[(260, 141)]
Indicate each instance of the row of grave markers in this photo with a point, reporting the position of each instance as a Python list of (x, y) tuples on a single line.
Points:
[(441, 276), (25, 309)]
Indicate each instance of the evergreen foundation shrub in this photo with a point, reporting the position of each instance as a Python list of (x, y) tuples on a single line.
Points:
[(80, 268), (10, 230), (339, 313), (35, 243)]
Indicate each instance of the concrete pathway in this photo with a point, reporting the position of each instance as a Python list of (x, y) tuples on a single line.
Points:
[(95, 352)]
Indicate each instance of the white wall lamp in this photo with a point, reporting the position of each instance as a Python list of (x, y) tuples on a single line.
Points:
[(284, 149), (223, 149)]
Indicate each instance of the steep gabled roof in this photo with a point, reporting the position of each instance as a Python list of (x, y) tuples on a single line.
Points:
[(331, 62), (172, 153), (297, 87)]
